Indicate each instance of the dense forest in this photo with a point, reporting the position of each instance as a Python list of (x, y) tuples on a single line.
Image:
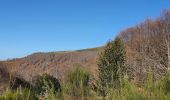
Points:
[(133, 66)]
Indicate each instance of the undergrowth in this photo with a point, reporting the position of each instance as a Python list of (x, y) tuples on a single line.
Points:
[(77, 87)]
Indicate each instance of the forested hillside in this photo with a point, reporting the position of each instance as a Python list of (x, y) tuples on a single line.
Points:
[(148, 45)]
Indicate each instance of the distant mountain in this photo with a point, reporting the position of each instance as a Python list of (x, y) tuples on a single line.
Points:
[(53, 63)]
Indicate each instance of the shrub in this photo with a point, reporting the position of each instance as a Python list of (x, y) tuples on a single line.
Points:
[(16, 82), (47, 86), (165, 84), (77, 83)]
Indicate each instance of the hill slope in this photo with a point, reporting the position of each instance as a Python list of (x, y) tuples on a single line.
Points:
[(54, 63)]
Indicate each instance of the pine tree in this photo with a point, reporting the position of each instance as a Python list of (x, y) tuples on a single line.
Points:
[(111, 64)]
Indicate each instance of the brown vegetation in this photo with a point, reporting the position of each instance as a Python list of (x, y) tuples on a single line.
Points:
[(147, 45), (54, 63)]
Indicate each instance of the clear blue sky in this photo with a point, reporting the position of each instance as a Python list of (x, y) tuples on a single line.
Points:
[(28, 26)]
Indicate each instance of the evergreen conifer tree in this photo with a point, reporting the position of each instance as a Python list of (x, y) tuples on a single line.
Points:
[(111, 65)]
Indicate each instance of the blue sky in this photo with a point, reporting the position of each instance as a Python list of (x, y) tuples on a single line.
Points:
[(29, 26)]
